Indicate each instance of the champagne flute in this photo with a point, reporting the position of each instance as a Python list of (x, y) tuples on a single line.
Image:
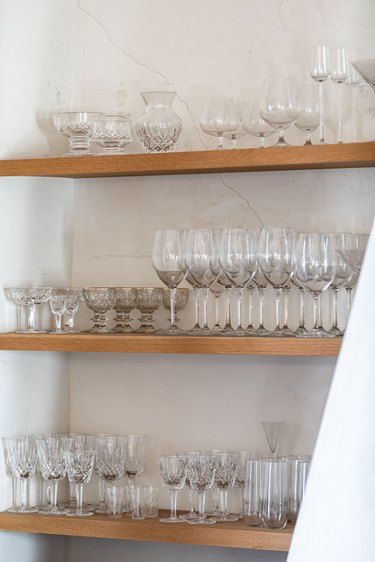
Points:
[(220, 116), (339, 75), (279, 106), (320, 71)]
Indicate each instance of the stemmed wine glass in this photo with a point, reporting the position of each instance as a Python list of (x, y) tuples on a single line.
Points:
[(110, 458), (315, 271), (135, 460), (339, 75), (200, 470), (22, 458), (227, 466), (79, 464), (52, 468), (57, 302), (173, 475), (320, 71), (309, 112), (279, 105), (74, 297), (254, 123), (276, 260), (220, 116), (275, 433), (169, 265), (343, 272)]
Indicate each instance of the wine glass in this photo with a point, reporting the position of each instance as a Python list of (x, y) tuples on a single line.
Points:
[(110, 458), (200, 470), (74, 297), (315, 271), (9, 471), (309, 112), (320, 71), (279, 105), (135, 460), (354, 257), (22, 458), (220, 116), (343, 272), (254, 123), (240, 132), (275, 434), (227, 467), (79, 467), (167, 260), (57, 302), (173, 475), (339, 75), (276, 260), (52, 468)]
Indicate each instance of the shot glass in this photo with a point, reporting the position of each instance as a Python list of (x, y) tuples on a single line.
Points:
[(115, 496), (253, 493), (136, 503), (150, 501), (275, 493)]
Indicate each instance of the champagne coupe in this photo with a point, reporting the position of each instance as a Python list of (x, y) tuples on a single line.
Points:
[(52, 468), (100, 300), (343, 273), (29, 297), (125, 300), (315, 271), (339, 75), (276, 260), (148, 301), (254, 123), (168, 263), (275, 434), (22, 457), (74, 297), (279, 105), (220, 116), (112, 133), (320, 71), (173, 475), (309, 112), (57, 302)]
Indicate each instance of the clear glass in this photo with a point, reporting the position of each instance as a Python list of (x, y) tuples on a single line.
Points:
[(339, 75), (254, 123), (112, 133), (244, 456), (29, 298), (79, 466), (354, 257), (115, 498), (320, 71), (74, 297), (110, 459), (240, 132), (135, 461), (299, 466), (159, 128), (150, 501), (252, 493), (366, 69), (148, 301), (342, 241), (100, 300), (355, 81), (78, 127), (200, 470), (182, 296), (173, 475), (21, 454), (57, 303), (261, 283), (279, 105), (124, 304), (227, 467), (309, 109), (219, 117), (52, 468), (137, 503), (275, 493), (275, 434)]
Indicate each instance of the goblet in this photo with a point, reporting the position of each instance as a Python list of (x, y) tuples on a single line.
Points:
[(78, 127), (275, 434), (79, 466), (124, 303), (57, 302), (220, 116), (279, 105), (343, 272), (309, 111), (22, 458), (339, 75), (73, 298), (29, 297), (240, 132), (169, 265), (135, 460), (276, 260), (173, 475), (112, 133), (320, 71), (100, 300), (200, 470), (182, 296), (52, 468), (227, 466), (148, 301), (315, 271), (254, 123)]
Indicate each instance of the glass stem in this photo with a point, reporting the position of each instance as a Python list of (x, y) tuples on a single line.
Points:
[(281, 137), (217, 323), (321, 104), (58, 318), (14, 492), (196, 308), (308, 139), (239, 293), (301, 308), (70, 321), (191, 501), (24, 493), (228, 315), (220, 141), (223, 501), (204, 292), (54, 488), (262, 140), (349, 295), (173, 503), (317, 319), (201, 502), (79, 500), (172, 297), (240, 494), (334, 307), (101, 491), (250, 293), (340, 140), (286, 300), (261, 306), (31, 318), (278, 308)]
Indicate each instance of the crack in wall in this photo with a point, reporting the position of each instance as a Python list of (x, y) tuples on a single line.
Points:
[(253, 211), (144, 65)]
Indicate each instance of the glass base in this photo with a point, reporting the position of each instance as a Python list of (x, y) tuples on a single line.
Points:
[(31, 331), (52, 511), (287, 331), (336, 332), (202, 521), (101, 509), (276, 334), (25, 510), (317, 333), (60, 333), (301, 331), (171, 520), (78, 153), (260, 332), (191, 515), (111, 152), (75, 513), (228, 517)]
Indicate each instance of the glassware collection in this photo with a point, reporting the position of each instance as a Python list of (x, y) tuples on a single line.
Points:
[(283, 103), (270, 488), (225, 263)]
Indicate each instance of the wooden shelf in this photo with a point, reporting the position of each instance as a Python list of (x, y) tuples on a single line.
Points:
[(355, 155), (141, 343), (229, 535)]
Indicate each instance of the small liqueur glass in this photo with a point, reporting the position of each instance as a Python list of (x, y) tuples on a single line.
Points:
[(57, 303), (100, 300), (78, 127), (29, 298), (74, 297), (124, 304), (148, 301), (112, 133)]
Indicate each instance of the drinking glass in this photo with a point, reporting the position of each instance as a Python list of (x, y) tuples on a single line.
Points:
[(135, 460), (168, 263), (275, 434), (29, 297), (244, 457), (173, 475), (182, 296), (339, 75), (137, 503), (354, 257), (238, 261), (112, 133), (57, 302), (240, 132), (9, 471), (79, 466), (150, 501), (22, 457), (100, 300), (254, 123), (354, 80), (320, 71), (227, 466), (279, 105), (275, 493), (252, 494), (78, 127), (148, 301), (299, 466), (343, 272), (276, 260), (315, 271), (74, 297), (111, 457), (220, 116), (200, 470), (309, 111), (115, 497), (52, 468), (124, 303)]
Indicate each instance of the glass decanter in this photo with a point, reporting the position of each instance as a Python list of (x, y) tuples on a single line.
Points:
[(159, 128)]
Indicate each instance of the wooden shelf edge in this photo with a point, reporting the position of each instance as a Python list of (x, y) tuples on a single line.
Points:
[(228, 535), (208, 161), (194, 345)]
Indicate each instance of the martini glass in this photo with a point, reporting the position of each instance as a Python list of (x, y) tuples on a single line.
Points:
[(275, 434)]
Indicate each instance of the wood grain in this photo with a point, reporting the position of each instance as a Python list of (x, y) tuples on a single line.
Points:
[(355, 155), (229, 535), (141, 343)]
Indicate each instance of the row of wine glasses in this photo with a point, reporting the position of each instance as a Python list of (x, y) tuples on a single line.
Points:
[(236, 257), (76, 456)]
